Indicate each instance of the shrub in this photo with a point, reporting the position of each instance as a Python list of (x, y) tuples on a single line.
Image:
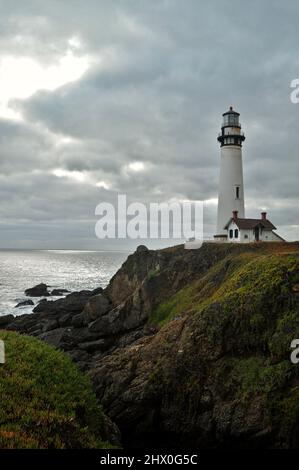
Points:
[(45, 401)]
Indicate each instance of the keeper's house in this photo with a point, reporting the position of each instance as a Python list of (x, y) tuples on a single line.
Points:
[(241, 230)]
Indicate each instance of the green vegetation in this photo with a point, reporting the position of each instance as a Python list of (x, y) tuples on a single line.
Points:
[(172, 307), (251, 376), (45, 401), (153, 273), (239, 321), (240, 284), (284, 414)]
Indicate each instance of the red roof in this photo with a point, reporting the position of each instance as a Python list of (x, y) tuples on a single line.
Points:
[(247, 224)]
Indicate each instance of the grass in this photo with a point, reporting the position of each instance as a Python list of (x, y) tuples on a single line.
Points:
[(45, 401), (251, 376), (235, 341), (235, 282), (171, 308)]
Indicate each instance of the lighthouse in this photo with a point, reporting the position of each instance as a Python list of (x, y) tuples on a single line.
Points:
[(231, 186), (232, 226)]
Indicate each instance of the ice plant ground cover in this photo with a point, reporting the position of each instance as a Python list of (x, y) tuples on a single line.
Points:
[(45, 401)]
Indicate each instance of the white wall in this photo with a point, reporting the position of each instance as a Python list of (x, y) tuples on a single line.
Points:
[(248, 236), (270, 237), (234, 227), (231, 175), (232, 130)]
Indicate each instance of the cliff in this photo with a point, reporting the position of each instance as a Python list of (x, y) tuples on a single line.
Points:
[(189, 347)]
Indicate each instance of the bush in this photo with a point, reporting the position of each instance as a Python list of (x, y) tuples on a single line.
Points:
[(45, 401)]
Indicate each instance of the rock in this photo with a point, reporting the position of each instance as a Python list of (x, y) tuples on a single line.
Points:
[(24, 303), (110, 431), (199, 380), (79, 320), (5, 320), (82, 358), (97, 306), (24, 323), (54, 337), (78, 355), (59, 292), (49, 325), (133, 273), (108, 324), (65, 320), (41, 290), (35, 332), (98, 345), (73, 303), (141, 248), (97, 291), (73, 336), (130, 337), (129, 315), (35, 329)]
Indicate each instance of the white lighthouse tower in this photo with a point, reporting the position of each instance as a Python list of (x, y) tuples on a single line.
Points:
[(231, 187)]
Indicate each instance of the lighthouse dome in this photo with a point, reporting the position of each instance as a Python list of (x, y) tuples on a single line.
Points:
[(231, 129), (231, 118)]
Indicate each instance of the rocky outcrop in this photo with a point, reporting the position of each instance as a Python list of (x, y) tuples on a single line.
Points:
[(72, 303), (24, 303), (59, 292), (6, 320), (97, 306), (188, 346), (41, 290), (85, 324), (219, 373)]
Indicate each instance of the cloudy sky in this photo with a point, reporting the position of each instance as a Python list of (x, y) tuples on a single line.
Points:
[(125, 96)]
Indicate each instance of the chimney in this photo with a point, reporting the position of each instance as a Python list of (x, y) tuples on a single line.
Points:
[(264, 215), (235, 215)]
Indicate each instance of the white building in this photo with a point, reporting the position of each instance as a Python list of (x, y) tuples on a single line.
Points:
[(231, 187), (236, 228), (241, 230)]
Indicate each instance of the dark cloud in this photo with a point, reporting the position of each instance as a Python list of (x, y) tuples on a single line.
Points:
[(161, 75)]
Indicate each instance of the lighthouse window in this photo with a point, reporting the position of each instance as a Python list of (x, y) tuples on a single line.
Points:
[(237, 192), (233, 120), (236, 233), (231, 233)]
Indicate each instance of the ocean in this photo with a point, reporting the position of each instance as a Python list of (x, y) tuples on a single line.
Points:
[(67, 269)]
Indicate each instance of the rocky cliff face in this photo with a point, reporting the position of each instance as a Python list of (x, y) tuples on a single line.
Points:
[(189, 346)]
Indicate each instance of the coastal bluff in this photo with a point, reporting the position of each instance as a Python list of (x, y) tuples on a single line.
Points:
[(190, 347)]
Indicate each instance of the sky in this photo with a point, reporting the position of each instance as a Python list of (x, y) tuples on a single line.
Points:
[(102, 98)]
